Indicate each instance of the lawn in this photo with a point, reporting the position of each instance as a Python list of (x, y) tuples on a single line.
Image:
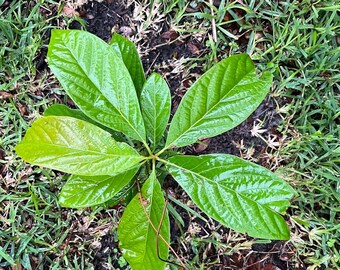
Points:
[(295, 132)]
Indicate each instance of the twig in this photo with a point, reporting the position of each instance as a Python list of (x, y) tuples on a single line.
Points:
[(160, 224), (155, 229)]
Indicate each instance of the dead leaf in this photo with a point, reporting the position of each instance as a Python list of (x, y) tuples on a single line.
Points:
[(193, 49), (17, 267), (270, 266), (96, 245), (5, 95), (202, 145), (22, 109), (169, 35), (6, 4), (126, 31), (69, 12)]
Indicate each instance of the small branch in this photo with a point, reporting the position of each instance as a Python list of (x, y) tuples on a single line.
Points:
[(156, 231), (161, 151), (147, 148), (160, 224)]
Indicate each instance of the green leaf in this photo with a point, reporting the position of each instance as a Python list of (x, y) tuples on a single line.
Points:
[(96, 79), (124, 196), (218, 101), (63, 110), (74, 146), (129, 54), (239, 194), (155, 101), (84, 191), (136, 235)]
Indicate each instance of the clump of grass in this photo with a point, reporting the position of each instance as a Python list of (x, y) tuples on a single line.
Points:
[(304, 55), (33, 227)]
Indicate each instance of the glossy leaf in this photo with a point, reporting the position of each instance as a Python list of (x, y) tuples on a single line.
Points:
[(124, 196), (136, 235), (63, 110), (218, 101), (74, 146), (155, 102), (129, 54), (96, 79), (239, 194), (84, 191)]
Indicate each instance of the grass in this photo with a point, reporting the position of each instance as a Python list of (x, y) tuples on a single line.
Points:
[(34, 231), (296, 40), (307, 71)]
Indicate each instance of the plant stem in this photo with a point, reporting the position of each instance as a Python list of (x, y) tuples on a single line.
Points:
[(147, 148), (140, 196), (162, 160), (162, 151)]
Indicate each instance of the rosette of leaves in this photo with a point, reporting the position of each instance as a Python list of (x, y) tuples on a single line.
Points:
[(118, 146)]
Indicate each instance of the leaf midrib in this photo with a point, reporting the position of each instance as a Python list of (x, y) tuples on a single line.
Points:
[(149, 225), (120, 113), (81, 150), (258, 205), (150, 229), (96, 184), (215, 183), (207, 112)]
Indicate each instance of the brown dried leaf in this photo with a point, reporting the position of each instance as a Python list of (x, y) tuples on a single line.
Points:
[(5, 95), (22, 109), (169, 35), (202, 145), (193, 49), (253, 263), (6, 4), (69, 12)]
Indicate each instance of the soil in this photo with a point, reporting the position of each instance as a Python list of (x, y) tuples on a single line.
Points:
[(161, 49)]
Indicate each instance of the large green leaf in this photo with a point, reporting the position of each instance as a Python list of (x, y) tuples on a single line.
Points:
[(83, 191), (75, 146), (96, 79), (218, 101), (136, 235), (239, 194), (129, 54), (155, 102), (124, 196), (63, 110)]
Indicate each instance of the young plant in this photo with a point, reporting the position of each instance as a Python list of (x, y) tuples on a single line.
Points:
[(116, 104)]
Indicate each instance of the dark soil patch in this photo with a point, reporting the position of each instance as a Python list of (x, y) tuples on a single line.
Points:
[(160, 50)]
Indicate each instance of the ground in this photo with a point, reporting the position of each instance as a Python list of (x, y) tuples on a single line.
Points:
[(160, 55), (284, 134)]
